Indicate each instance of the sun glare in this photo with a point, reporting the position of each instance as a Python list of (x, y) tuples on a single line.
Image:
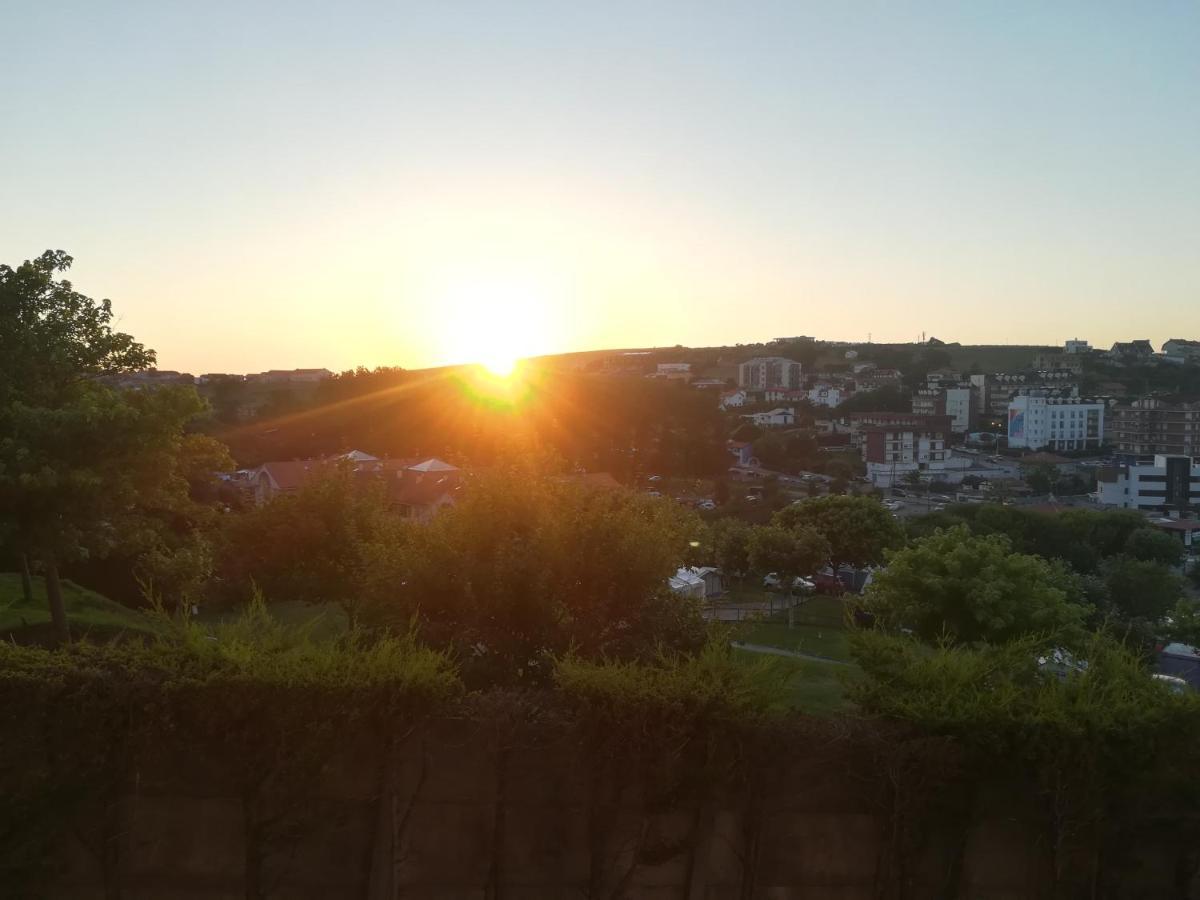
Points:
[(494, 322)]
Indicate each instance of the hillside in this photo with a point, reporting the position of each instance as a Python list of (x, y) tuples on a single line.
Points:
[(89, 613)]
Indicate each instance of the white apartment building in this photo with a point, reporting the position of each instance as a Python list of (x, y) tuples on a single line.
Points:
[(765, 372), (676, 368), (1036, 421), (1162, 484), (960, 407), (1076, 346)]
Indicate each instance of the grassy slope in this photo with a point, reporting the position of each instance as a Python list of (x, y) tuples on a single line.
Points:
[(815, 687), (86, 610)]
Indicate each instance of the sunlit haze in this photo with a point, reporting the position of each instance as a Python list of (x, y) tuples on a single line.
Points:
[(312, 184)]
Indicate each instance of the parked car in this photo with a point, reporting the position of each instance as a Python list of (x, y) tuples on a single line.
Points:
[(706, 504), (771, 580)]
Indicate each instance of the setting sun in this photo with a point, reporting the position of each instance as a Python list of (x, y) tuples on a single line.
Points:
[(494, 321)]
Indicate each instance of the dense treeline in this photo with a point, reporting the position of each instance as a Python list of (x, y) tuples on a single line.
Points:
[(622, 425)]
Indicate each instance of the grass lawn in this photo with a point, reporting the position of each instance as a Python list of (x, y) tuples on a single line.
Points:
[(87, 611), (813, 686), (816, 688)]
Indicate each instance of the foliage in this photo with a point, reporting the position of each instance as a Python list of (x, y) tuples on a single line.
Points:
[(730, 540), (1141, 589), (523, 566), (1151, 545), (859, 530), (997, 699), (264, 706), (966, 589), (309, 545), (53, 338), (87, 471), (788, 552), (1082, 538)]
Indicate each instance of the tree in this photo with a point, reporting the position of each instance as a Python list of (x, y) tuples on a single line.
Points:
[(523, 566), (1141, 589), (53, 338), (974, 589), (84, 469), (731, 546), (788, 552), (1150, 545), (310, 545), (1041, 478), (858, 529)]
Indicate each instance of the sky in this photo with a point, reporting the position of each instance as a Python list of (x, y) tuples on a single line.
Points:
[(275, 185)]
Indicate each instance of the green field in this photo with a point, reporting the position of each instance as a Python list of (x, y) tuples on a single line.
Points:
[(814, 686), (87, 611)]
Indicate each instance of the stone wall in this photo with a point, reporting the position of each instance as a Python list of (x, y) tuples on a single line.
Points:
[(450, 815)]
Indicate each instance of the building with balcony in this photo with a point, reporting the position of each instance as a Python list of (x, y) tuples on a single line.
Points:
[(1154, 425), (766, 372), (894, 452)]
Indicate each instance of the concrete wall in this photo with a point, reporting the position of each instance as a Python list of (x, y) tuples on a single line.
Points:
[(447, 816)]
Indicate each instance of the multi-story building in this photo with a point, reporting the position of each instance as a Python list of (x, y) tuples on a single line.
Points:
[(929, 401), (1164, 483), (994, 391), (1181, 351), (1036, 421), (1132, 350), (765, 372), (1054, 362), (1076, 346), (893, 452), (1154, 425), (959, 404)]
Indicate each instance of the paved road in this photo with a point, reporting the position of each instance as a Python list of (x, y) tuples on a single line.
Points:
[(779, 651)]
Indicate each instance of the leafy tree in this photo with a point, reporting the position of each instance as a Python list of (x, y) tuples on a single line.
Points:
[(974, 589), (1150, 545), (84, 470), (53, 339), (731, 546), (788, 552), (858, 529), (1141, 589), (95, 475), (771, 450), (1041, 478), (1185, 623), (523, 566), (310, 545), (912, 479)]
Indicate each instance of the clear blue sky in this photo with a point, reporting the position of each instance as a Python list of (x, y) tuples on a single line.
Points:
[(288, 184)]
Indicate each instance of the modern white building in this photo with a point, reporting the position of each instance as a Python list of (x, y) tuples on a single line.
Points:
[(766, 372), (1159, 484), (960, 407), (1076, 346), (1036, 421)]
